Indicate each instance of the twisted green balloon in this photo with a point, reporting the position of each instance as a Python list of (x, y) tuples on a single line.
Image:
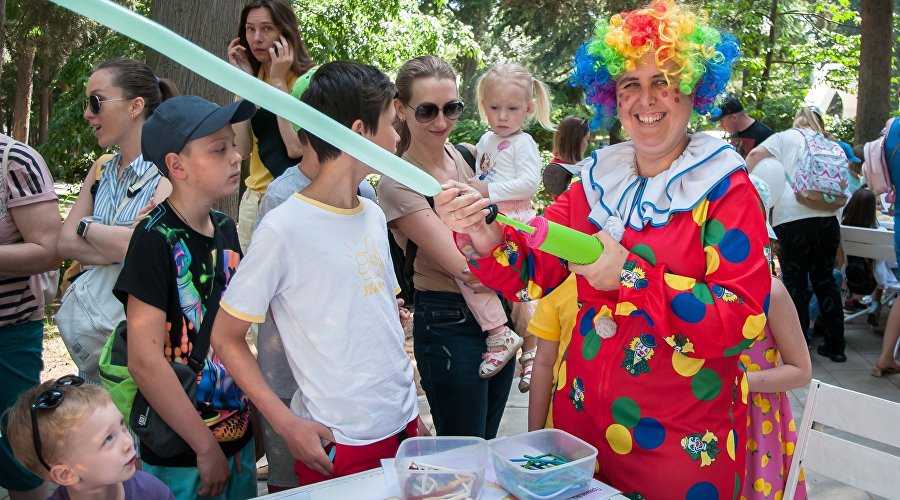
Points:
[(225, 75)]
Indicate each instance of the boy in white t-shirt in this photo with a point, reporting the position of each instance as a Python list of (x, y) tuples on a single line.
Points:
[(321, 263)]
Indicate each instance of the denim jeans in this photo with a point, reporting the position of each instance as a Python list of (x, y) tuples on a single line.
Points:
[(448, 343)]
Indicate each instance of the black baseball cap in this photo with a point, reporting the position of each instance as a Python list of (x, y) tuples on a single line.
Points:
[(182, 119), (730, 105)]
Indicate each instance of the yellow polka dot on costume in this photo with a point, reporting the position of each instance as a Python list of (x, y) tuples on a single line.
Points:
[(792, 426), (561, 378), (712, 259), (779, 494), (751, 445), (534, 290), (764, 461), (625, 308), (754, 325), (778, 416), (767, 428), (699, 212), (729, 445), (680, 283), (686, 366), (745, 388), (605, 312), (619, 439), (596, 466)]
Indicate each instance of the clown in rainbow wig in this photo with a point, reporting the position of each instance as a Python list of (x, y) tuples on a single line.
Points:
[(661, 394), (694, 56)]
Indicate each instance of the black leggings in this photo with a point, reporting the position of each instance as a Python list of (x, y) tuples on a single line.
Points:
[(807, 250)]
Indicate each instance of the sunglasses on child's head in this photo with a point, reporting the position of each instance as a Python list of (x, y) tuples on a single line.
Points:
[(426, 112), (48, 400), (93, 103)]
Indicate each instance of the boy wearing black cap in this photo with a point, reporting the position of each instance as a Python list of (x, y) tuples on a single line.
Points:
[(746, 133), (176, 254), (320, 263)]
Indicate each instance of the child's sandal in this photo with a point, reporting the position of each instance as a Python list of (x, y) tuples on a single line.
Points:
[(527, 362), (494, 361)]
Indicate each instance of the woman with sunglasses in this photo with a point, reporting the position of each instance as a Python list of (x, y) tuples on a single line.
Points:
[(120, 95), (269, 47), (448, 339)]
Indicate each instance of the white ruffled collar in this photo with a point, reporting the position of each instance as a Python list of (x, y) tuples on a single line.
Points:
[(613, 186)]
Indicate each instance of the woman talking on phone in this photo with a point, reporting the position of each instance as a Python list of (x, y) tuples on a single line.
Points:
[(268, 47)]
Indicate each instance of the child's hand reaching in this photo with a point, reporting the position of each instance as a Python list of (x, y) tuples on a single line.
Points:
[(479, 186)]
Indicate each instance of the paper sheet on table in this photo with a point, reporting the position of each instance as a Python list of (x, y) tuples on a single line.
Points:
[(491, 490)]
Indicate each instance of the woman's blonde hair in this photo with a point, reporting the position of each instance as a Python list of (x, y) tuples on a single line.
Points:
[(516, 74), (54, 425), (809, 117), (412, 70)]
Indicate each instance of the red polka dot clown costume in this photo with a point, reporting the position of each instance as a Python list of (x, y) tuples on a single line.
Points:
[(664, 398)]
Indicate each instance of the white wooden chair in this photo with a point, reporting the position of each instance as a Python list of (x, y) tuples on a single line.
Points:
[(858, 465), (869, 244)]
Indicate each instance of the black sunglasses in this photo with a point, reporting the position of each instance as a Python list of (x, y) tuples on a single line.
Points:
[(48, 400), (429, 111), (93, 102)]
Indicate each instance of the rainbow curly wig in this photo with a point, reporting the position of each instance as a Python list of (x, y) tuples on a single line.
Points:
[(701, 55)]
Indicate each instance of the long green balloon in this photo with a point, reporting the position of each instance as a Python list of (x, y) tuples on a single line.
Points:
[(233, 79)]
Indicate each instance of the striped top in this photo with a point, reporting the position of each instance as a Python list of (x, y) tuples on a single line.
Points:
[(29, 181), (114, 188)]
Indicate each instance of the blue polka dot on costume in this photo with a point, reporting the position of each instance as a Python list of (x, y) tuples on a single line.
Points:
[(766, 303), (688, 308), (649, 433), (719, 189), (587, 322), (702, 491), (735, 246)]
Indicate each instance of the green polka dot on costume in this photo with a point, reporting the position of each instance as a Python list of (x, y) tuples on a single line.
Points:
[(719, 189), (713, 232), (625, 411), (741, 346), (735, 246), (645, 252), (702, 491), (701, 291), (619, 439), (706, 384), (649, 433), (688, 308), (591, 346)]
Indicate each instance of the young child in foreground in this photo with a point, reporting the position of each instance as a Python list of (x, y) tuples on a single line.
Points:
[(508, 171), (80, 443), (332, 296)]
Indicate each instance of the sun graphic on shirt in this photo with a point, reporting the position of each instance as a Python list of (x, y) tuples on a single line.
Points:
[(370, 266)]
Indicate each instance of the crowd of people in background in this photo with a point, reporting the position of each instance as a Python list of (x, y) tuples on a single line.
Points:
[(685, 307)]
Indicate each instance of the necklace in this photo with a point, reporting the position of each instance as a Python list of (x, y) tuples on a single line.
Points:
[(188, 224)]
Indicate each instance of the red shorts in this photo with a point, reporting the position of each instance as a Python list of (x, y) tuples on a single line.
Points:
[(352, 459)]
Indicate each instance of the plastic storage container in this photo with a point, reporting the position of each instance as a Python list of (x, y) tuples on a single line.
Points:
[(441, 467), (561, 481)]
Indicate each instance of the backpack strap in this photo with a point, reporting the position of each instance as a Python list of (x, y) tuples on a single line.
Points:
[(197, 358), (467, 155), (412, 249)]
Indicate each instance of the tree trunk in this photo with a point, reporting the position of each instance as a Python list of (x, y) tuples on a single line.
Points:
[(24, 87), (44, 103), (2, 32), (770, 54), (211, 24), (873, 103)]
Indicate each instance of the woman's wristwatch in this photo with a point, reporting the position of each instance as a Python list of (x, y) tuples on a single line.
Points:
[(83, 226)]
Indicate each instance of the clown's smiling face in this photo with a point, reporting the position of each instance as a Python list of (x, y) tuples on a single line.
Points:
[(653, 112)]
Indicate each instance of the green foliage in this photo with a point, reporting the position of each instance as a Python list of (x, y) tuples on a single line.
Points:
[(842, 129), (384, 33), (468, 130)]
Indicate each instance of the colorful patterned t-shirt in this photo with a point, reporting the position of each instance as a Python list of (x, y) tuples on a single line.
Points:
[(172, 267)]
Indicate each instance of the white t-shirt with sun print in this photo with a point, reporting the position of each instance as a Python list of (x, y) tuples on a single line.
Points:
[(327, 275)]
